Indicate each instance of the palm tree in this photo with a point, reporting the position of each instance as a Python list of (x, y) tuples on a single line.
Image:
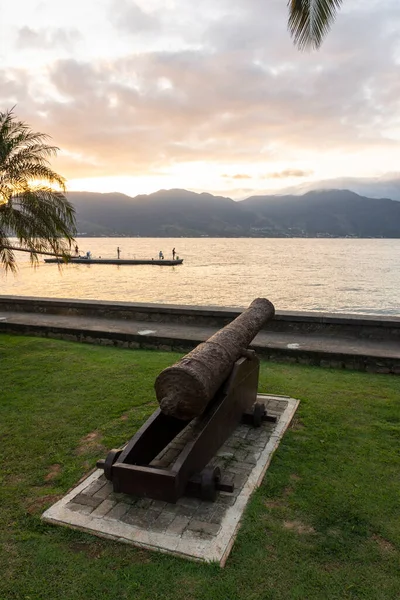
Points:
[(33, 207), (310, 20)]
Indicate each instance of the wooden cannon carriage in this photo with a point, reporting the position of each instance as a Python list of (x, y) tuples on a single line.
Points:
[(211, 390)]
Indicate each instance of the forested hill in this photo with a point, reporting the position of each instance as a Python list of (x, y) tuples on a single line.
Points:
[(173, 213)]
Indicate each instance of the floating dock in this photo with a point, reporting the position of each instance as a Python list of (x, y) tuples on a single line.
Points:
[(114, 261)]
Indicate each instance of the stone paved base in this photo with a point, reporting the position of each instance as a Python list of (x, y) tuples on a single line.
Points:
[(191, 528)]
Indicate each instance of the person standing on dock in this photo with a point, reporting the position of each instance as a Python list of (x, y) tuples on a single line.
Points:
[(161, 255), (118, 252), (173, 253), (76, 250)]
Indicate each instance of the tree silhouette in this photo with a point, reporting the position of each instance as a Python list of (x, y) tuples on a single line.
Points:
[(33, 206)]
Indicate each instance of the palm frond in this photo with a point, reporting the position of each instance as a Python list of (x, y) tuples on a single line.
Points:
[(7, 257), (38, 215), (310, 20), (40, 212)]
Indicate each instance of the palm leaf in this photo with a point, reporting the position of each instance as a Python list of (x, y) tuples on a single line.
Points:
[(38, 215), (310, 20)]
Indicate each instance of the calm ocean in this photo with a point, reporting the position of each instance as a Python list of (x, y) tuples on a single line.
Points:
[(334, 275)]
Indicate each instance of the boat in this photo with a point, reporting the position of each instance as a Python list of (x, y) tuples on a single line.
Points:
[(82, 260)]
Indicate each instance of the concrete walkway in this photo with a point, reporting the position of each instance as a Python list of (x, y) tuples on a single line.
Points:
[(330, 351)]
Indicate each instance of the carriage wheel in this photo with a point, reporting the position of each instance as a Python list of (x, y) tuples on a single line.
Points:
[(112, 457), (258, 413), (210, 477)]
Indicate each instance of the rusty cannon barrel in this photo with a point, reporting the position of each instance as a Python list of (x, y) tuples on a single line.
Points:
[(184, 390)]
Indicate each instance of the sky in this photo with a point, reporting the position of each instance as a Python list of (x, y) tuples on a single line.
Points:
[(207, 95)]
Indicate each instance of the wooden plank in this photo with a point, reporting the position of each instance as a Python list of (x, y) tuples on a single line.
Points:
[(145, 482)]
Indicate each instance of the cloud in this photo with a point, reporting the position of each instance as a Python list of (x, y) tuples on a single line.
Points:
[(129, 17), (235, 91), (13, 88), (286, 173), (28, 38), (237, 176)]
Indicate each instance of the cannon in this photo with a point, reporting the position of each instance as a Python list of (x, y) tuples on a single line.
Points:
[(202, 398)]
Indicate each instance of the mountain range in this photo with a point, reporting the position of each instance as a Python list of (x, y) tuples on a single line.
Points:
[(181, 213), (386, 186)]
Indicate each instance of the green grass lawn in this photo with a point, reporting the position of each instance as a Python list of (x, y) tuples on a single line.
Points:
[(324, 525)]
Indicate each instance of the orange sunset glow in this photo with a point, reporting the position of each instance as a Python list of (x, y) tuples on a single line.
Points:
[(146, 95)]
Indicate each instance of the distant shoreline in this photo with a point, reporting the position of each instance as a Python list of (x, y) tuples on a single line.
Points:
[(237, 237)]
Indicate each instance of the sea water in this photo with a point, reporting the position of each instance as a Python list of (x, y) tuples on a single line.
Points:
[(335, 275)]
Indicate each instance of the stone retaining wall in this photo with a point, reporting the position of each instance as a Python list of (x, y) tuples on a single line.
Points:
[(367, 327), (108, 338)]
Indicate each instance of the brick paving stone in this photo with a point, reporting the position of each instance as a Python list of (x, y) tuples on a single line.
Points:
[(194, 536), (103, 508), (204, 512), (222, 454), (251, 448), (260, 444), (201, 527), (250, 459), (241, 467), (118, 511), (226, 499), (80, 508), (214, 513), (218, 514), (170, 507), (239, 435), (156, 509), (87, 500), (272, 413), (256, 453), (158, 504), (227, 477), (94, 487), (253, 435), (273, 404), (144, 503), (163, 521), (178, 525), (151, 517), (262, 440), (117, 497), (239, 444), (242, 428), (189, 502), (185, 511), (240, 455), (105, 491), (236, 492), (136, 516), (141, 517), (177, 509), (228, 448), (239, 479)]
